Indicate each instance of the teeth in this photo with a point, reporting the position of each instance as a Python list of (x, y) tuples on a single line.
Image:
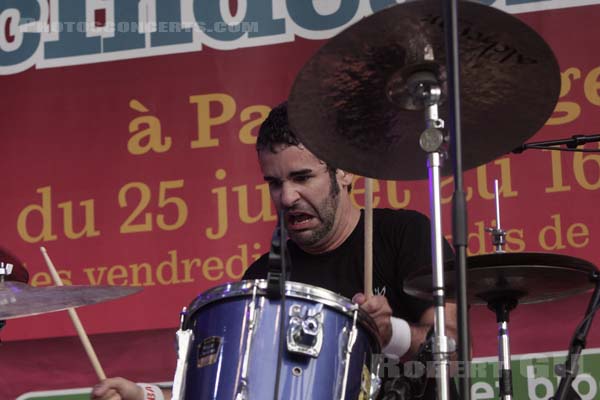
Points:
[(299, 218)]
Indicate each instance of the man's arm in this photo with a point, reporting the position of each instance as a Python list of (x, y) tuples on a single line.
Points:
[(380, 311), (419, 331), (123, 389)]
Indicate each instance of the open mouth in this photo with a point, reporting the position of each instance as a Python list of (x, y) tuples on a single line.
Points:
[(298, 220)]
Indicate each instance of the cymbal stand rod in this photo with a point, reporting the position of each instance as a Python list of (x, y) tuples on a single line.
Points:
[(431, 141), (498, 235), (440, 345), (502, 308), (504, 361), (497, 199)]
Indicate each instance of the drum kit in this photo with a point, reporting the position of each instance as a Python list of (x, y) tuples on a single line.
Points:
[(356, 105)]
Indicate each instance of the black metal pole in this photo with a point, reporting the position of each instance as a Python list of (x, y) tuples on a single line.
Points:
[(571, 143), (578, 344), (459, 204)]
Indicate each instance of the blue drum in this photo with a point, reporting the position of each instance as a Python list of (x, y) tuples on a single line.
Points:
[(229, 346)]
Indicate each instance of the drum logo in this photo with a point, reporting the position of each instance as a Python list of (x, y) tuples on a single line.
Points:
[(208, 351), (379, 291)]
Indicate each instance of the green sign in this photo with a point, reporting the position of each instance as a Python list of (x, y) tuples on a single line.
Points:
[(67, 394), (534, 378)]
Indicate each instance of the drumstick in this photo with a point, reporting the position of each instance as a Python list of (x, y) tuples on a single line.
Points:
[(368, 237), (85, 341)]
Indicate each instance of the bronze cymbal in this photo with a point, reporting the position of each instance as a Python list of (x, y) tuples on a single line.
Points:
[(19, 273), (19, 300), (525, 277), (338, 105)]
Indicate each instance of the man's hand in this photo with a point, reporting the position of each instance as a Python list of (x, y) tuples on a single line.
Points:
[(117, 389), (380, 311)]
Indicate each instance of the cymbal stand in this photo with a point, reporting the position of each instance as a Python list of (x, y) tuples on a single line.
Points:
[(502, 306), (5, 270), (425, 90), (459, 199), (568, 371), (431, 141), (498, 235)]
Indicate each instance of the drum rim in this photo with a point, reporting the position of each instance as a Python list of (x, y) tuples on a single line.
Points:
[(299, 290)]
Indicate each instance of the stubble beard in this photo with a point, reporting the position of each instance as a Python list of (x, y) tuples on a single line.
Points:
[(326, 213)]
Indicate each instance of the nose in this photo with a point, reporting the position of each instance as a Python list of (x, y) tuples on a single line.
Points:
[(289, 194)]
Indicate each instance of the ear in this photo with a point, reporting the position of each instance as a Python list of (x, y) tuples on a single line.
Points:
[(344, 178)]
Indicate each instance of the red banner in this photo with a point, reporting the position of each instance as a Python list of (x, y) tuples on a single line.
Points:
[(142, 172)]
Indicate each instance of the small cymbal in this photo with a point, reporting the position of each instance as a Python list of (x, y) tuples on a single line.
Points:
[(339, 106), (19, 300), (525, 277), (19, 272)]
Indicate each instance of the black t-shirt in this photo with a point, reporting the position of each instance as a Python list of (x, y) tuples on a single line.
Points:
[(401, 245)]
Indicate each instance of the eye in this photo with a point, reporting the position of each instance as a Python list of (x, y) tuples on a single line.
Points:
[(273, 183), (302, 178)]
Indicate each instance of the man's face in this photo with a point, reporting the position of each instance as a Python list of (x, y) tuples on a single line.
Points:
[(302, 187)]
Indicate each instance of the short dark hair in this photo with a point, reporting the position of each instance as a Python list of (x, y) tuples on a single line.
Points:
[(275, 132)]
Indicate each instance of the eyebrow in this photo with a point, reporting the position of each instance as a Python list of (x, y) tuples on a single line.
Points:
[(292, 174), (301, 172)]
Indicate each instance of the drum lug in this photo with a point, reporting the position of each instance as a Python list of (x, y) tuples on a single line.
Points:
[(242, 393), (185, 338), (375, 378), (351, 339), (252, 315), (305, 330)]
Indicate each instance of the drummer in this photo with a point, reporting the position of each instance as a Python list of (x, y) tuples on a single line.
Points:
[(326, 247), (327, 238)]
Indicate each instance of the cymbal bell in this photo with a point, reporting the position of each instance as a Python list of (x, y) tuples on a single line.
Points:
[(525, 277), (19, 300), (348, 104)]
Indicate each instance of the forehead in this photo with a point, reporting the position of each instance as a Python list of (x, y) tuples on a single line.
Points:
[(287, 159)]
